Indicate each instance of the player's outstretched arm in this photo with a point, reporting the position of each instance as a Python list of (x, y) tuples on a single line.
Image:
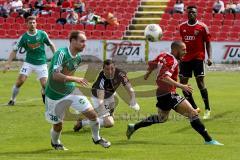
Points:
[(8, 63), (187, 88), (133, 104), (58, 76)]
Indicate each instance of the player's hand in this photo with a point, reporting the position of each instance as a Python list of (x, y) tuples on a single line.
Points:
[(81, 81), (187, 88), (6, 68), (146, 76), (209, 62), (134, 105)]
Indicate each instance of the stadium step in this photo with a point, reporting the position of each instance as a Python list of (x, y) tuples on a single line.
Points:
[(146, 20), (149, 12), (152, 8), (134, 38), (135, 33), (137, 26), (154, 2)]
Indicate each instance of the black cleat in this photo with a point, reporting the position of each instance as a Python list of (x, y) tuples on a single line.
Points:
[(103, 142), (77, 126), (58, 147), (11, 103), (130, 130)]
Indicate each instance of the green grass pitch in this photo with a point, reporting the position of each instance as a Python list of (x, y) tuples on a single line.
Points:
[(24, 133)]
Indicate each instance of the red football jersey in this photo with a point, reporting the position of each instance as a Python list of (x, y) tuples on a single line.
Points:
[(166, 65), (194, 36)]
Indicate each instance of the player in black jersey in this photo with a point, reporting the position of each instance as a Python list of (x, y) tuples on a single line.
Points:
[(103, 91)]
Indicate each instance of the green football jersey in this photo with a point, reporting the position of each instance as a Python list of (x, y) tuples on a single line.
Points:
[(62, 61), (34, 47)]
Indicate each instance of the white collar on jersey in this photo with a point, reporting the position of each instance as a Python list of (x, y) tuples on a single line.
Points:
[(71, 53), (32, 34), (192, 24)]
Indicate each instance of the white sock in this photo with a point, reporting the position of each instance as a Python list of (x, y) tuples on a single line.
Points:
[(95, 126), (55, 136), (15, 91), (86, 122)]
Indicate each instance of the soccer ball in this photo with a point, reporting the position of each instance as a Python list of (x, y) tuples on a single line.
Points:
[(153, 32)]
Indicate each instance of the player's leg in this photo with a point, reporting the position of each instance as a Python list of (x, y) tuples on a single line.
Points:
[(42, 73), (184, 75), (163, 111), (184, 108), (43, 82), (23, 74), (199, 73), (55, 110), (105, 114), (81, 104)]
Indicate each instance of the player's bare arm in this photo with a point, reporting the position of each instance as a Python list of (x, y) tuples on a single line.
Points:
[(53, 48), (133, 103), (58, 76), (100, 96), (147, 74), (209, 53), (187, 88), (8, 63)]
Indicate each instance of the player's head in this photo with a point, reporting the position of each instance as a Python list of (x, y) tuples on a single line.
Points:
[(178, 49), (32, 23), (192, 13), (109, 68), (77, 40)]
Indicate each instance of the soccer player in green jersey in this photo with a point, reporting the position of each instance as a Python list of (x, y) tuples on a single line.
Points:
[(61, 92), (33, 41)]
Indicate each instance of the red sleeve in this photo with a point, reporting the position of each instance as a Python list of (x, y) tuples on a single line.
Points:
[(206, 34), (153, 64), (168, 67)]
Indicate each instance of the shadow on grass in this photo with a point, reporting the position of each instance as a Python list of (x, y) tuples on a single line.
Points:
[(50, 151), (217, 116)]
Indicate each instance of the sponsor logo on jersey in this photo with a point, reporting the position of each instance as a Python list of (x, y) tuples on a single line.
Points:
[(189, 38)]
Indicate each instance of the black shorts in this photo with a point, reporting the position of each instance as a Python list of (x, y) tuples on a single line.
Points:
[(169, 101), (195, 66)]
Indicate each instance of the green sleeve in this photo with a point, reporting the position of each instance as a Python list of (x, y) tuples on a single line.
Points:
[(57, 60), (19, 44)]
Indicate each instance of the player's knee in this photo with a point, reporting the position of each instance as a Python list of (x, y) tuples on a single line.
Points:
[(193, 115), (109, 122), (57, 127)]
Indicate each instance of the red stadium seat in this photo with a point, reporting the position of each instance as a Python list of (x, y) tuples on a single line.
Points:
[(177, 16), (68, 27), (16, 26), (2, 20), (20, 20), (217, 22), (218, 16), (41, 20), (228, 22), (58, 27), (12, 33), (166, 16), (78, 27), (21, 31), (6, 26), (226, 28), (10, 20), (51, 21), (2, 33), (96, 34), (229, 17), (14, 14), (89, 27), (100, 27), (54, 34)]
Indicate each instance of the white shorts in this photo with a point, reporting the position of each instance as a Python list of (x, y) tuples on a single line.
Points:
[(40, 70), (55, 109), (109, 105)]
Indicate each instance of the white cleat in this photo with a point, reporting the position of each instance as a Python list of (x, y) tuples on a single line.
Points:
[(207, 114), (58, 147), (103, 142)]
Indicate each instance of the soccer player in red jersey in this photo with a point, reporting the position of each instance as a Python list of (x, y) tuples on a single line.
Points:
[(166, 65), (195, 35)]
